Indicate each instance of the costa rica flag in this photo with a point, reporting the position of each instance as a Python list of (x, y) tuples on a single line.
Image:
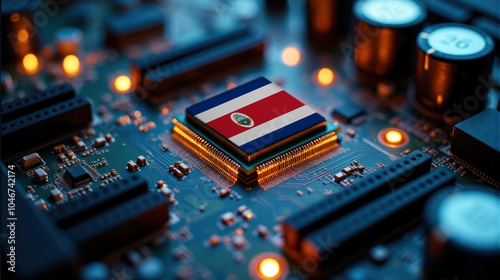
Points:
[(255, 118)]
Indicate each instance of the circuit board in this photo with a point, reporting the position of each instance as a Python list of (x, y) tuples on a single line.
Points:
[(218, 228)]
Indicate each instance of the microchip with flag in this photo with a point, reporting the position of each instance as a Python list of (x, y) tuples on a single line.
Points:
[(255, 118)]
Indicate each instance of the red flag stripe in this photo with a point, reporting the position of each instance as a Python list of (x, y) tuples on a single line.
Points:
[(260, 112)]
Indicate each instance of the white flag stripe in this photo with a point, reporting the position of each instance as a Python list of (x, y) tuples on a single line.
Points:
[(272, 125), (239, 102)]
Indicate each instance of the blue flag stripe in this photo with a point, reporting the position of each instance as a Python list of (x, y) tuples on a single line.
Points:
[(227, 96), (282, 133)]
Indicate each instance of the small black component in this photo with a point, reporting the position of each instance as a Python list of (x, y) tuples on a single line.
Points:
[(37, 101), (476, 141), (355, 231), (363, 191), (60, 259), (127, 222), (45, 126), (78, 175), (98, 200), (192, 65), (134, 26), (347, 112)]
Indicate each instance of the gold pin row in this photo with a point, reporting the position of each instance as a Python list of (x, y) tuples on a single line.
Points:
[(295, 157), (206, 151)]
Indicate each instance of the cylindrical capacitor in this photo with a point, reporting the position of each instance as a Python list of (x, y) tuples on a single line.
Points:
[(463, 235), (327, 21), (20, 29), (453, 70), (385, 38), (68, 40)]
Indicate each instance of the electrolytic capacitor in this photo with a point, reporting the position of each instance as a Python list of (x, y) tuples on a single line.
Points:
[(453, 70), (463, 235), (327, 21), (385, 38)]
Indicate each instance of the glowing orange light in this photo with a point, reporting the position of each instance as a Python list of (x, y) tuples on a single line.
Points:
[(249, 216), (269, 268), (71, 65), (239, 231), (14, 17), (325, 76), (30, 63), (164, 111), (393, 137), (152, 124), (290, 56), (123, 83), (137, 114), (22, 35), (230, 85)]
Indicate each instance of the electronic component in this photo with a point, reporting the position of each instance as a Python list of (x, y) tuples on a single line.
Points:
[(134, 26), (327, 21), (59, 149), (80, 146), (388, 53), (191, 65), (40, 175), (46, 124), (476, 142), (348, 112), (462, 235), (255, 118), (68, 41), (78, 175), (259, 142), (132, 166), (99, 142), (356, 229), (55, 194), (376, 184), (126, 222), (30, 161), (141, 160), (19, 107), (100, 199), (227, 218), (453, 70)]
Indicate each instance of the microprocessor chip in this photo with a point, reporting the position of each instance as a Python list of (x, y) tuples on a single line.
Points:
[(255, 118), (78, 175)]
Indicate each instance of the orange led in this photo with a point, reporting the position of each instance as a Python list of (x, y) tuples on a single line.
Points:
[(249, 216), (269, 268), (325, 76), (22, 35), (290, 56), (230, 85), (71, 65), (393, 137), (239, 231), (164, 111), (137, 114), (14, 17), (30, 63), (123, 84)]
